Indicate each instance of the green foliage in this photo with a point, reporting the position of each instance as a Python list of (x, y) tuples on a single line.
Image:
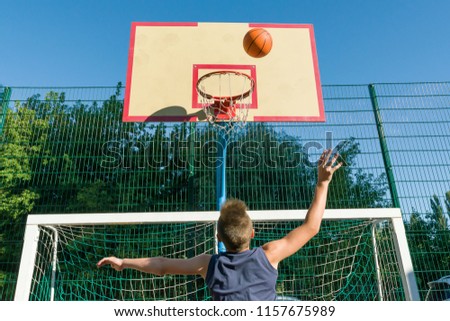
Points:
[(429, 241), (82, 158), (93, 198), (17, 196), (62, 157)]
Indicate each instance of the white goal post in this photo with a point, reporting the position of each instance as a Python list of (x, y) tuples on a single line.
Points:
[(375, 216)]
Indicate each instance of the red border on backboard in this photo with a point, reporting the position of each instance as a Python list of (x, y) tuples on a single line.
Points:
[(321, 117), (127, 118), (126, 103), (212, 67)]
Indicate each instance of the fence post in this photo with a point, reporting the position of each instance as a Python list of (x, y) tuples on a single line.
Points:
[(5, 95), (384, 147), (191, 166)]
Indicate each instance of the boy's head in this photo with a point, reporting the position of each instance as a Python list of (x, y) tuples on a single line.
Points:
[(235, 227)]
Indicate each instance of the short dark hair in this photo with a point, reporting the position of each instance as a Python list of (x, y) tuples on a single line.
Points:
[(234, 226)]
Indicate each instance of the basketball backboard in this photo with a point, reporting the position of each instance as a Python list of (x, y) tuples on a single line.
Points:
[(167, 59)]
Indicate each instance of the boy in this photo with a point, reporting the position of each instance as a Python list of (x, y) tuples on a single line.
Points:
[(241, 273)]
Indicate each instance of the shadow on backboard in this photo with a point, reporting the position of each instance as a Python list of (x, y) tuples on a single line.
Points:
[(176, 113)]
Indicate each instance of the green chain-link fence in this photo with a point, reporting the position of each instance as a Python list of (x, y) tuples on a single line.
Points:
[(66, 150)]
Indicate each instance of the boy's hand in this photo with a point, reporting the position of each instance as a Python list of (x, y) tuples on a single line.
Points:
[(116, 263), (325, 167)]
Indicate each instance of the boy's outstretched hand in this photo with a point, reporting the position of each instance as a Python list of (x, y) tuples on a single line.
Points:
[(116, 263), (278, 250), (325, 166)]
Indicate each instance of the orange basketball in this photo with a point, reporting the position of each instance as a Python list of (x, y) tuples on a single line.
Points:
[(257, 42)]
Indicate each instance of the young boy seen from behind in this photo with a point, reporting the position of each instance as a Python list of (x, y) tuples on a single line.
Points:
[(242, 273)]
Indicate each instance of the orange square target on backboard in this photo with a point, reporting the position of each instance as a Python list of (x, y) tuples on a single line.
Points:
[(171, 68)]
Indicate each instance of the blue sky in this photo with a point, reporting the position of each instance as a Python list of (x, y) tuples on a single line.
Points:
[(85, 42)]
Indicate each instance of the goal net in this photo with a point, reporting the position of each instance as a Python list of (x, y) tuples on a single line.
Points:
[(357, 255)]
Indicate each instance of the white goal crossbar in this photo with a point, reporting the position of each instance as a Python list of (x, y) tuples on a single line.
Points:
[(34, 221)]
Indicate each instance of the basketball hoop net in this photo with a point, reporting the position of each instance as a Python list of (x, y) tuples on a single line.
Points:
[(225, 97)]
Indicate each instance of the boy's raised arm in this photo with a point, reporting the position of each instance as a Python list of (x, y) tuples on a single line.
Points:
[(160, 266), (280, 249)]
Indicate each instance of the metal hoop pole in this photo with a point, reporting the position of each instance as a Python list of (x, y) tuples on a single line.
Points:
[(221, 165)]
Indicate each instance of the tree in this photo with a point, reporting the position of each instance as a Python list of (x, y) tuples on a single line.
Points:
[(65, 158), (17, 196), (429, 241)]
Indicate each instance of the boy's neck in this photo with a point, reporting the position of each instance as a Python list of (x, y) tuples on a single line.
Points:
[(240, 251)]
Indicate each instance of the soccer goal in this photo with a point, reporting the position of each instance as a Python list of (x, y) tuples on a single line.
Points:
[(359, 254)]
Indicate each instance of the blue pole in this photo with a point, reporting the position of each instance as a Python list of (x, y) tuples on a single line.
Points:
[(221, 164), (221, 192)]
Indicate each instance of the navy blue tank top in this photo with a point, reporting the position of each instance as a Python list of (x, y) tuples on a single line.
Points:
[(244, 276)]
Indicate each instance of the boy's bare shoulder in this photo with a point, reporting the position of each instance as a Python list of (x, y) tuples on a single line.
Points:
[(271, 251)]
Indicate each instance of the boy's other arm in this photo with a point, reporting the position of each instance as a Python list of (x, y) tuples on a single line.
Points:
[(160, 265), (280, 249)]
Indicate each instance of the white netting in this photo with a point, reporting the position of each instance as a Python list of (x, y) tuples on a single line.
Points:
[(225, 97), (347, 260)]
